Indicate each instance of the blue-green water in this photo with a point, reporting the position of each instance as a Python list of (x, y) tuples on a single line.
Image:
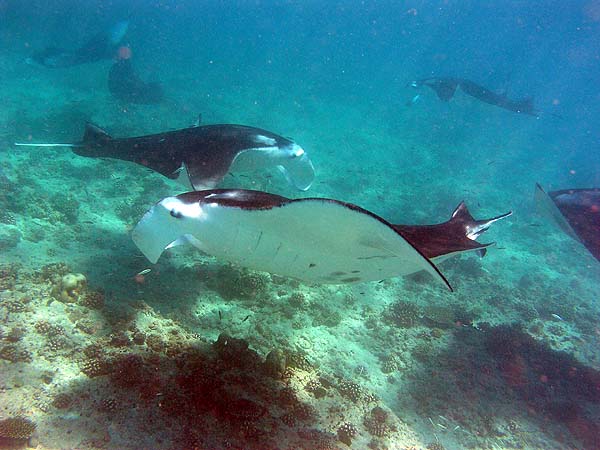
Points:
[(508, 360)]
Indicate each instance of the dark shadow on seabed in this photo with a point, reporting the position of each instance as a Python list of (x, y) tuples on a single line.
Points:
[(491, 381)]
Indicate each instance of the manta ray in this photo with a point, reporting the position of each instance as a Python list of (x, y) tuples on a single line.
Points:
[(577, 212), (314, 240), (125, 84), (445, 88), (103, 45), (199, 157)]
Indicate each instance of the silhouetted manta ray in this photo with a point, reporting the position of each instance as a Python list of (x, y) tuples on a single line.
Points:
[(577, 212), (127, 86), (316, 240), (103, 45), (199, 157), (446, 87)]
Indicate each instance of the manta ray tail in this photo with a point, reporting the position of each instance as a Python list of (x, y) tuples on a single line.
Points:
[(93, 137), (95, 142), (526, 106), (473, 228), (456, 235)]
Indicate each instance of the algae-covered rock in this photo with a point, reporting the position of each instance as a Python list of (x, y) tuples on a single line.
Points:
[(275, 363), (10, 236), (69, 287)]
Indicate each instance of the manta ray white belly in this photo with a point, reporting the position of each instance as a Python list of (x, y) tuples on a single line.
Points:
[(313, 240)]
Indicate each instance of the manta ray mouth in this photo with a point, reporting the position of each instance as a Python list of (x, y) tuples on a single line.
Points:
[(299, 171)]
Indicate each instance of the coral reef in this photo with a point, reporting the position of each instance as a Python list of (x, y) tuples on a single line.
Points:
[(16, 429), (13, 354), (92, 299), (10, 236), (350, 390), (402, 314), (231, 282), (8, 276), (62, 401), (346, 432), (95, 367), (376, 422), (65, 207)]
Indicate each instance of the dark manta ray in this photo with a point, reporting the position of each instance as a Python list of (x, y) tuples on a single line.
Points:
[(199, 157), (577, 212), (103, 45), (316, 240), (125, 84), (445, 89)]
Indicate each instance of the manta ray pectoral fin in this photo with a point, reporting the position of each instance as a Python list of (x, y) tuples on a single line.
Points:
[(95, 135), (183, 177), (545, 205), (299, 171)]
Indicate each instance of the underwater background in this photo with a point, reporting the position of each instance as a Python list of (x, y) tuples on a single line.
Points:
[(96, 352)]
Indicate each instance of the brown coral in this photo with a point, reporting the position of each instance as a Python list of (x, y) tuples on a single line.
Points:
[(346, 432), (376, 422), (62, 401), (13, 354), (402, 314), (350, 390), (19, 428), (92, 300), (95, 367)]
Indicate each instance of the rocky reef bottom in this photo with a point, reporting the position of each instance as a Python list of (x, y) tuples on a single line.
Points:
[(81, 370)]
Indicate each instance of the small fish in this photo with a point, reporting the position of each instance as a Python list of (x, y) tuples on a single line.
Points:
[(143, 272), (557, 317), (414, 100), (220, 315), (246, 318)]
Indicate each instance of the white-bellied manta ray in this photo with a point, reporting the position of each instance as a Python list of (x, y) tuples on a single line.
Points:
[(315, 240), (199, 157)]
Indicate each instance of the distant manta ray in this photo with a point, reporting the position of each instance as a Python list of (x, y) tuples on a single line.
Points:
[(125, 85), (199, 157), (445, 89), (103, 45)]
